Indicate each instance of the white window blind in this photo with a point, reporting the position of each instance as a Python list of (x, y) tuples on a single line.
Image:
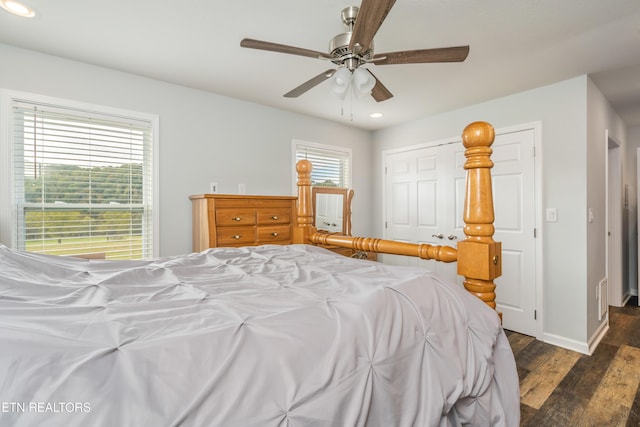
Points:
[(83, 182), (331, 166)]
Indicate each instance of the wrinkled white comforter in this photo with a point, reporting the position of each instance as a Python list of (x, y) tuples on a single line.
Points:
[(263, 336)]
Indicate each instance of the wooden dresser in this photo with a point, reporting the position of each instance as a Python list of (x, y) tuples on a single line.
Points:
[(241, 220)]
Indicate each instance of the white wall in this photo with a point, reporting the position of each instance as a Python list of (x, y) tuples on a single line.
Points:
[(601, 121), (630, 178), (562, 110), (203, 136)]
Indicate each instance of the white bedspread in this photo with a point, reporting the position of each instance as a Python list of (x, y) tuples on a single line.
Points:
[(265, 336)]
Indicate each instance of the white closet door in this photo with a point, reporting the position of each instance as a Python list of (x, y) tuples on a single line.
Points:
[(329, 212), (514, 202), (418, 188), (424, 197)]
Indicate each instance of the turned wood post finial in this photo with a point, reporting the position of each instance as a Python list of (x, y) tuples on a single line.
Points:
[(478, 210), (305, 207), (481, 255)]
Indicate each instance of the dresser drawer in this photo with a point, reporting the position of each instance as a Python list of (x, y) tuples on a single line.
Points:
[(274, 234), (236, 236), (235, 217), (274, 216), (241, 220)]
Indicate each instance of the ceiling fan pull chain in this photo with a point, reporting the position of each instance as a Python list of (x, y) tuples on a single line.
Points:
[(351, 104)]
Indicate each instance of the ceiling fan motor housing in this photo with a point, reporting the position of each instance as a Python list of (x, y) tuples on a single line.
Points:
[(339, 45), (339, 49)]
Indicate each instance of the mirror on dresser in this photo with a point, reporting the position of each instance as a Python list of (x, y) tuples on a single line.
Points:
[(332, 209)]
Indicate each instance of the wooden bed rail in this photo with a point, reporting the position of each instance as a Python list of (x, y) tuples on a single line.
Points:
[(371, 244), (478, 256)]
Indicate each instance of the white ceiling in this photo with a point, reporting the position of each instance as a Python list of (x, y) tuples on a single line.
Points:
[(515, 45)]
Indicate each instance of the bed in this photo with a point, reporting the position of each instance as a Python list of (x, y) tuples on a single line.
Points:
[(272, 335)]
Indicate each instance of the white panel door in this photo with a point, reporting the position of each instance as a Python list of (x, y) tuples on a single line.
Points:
[(418, 184), (514, 202), (329, 212), (441, 231), (425, 198)]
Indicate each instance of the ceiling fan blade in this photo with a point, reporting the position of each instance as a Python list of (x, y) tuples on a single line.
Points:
[(311, 83), (370, 17), (380, 92), (421, 56), (282, 48)]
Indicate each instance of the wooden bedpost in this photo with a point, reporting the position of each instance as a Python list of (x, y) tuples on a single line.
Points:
[(479, 256), (304, 210)]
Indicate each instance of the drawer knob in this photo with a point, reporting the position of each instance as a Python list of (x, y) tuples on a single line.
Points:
[(237, 236), (275, 217), (274, 234), (237, 218)]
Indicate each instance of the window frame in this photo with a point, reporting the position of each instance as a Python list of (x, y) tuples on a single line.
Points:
[(8, 208), (297, 145)]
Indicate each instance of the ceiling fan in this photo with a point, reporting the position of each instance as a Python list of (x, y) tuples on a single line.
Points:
[(354, 48)]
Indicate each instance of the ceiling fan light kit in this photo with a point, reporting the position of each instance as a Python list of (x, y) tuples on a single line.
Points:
[(363, 81), (360, 80), (341, 81), (354, 48)]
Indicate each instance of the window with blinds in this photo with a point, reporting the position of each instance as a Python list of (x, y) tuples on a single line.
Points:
[(83, 181), (331, 165)]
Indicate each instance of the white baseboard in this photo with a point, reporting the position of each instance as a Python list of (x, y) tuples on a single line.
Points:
[(569, 344), (598, 335), (581, 347)]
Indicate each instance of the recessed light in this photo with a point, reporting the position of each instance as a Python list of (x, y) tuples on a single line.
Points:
[(17, 8), (375, 115)]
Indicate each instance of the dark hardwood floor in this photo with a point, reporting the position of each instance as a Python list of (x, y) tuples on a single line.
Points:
[(559, 387)]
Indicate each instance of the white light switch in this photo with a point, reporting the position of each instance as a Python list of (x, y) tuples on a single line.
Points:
[(552, 214)]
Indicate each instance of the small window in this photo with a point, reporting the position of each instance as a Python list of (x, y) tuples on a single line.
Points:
[(83, 179), (331, 165)]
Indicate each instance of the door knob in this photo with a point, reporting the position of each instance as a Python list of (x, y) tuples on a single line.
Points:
[(452, 237), (438, 236)]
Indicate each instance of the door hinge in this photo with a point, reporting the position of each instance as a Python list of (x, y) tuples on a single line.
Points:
[(385, 224), (535, 232), (533, 151), (535, 314), (385, 170)]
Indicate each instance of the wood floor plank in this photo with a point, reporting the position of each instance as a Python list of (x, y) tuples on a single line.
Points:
[(586, 374), (622, 330), (528, 357), (547, 372), (560, 409), (634, 414), (615, 395), (527, 414), (519, 341), (569, 400)]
